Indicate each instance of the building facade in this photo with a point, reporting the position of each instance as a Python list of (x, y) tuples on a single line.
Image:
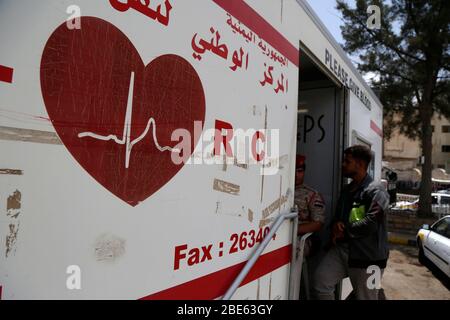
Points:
[(404, 153)]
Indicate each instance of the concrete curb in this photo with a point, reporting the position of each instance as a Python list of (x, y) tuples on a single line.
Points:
[(402, 240)]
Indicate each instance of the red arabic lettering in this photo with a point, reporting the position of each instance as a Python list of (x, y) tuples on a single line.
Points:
[(200, 46), (143, 6), (281, 84)]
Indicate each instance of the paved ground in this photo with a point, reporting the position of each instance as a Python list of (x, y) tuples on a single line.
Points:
[(406, 279)]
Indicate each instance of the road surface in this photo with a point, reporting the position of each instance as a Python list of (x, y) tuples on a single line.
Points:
[(406, 279)]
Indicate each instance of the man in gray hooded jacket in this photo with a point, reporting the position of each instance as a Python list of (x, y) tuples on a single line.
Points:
[(359, 246)]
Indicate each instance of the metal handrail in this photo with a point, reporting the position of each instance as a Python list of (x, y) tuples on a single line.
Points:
[(301, 256), (259, 250)]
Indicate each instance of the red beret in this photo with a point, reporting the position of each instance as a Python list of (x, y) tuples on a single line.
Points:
[(300, 161)]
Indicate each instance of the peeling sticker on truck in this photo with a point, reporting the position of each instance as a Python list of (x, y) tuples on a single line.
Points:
[(283, 161), (11, 172), (274, 206), (265, 222), (240, 165), (233, 161), (109, 248), (28, 135), (13, 202), (250, 215), (279, 162), (226, 187), (11, 239), (13, 206)]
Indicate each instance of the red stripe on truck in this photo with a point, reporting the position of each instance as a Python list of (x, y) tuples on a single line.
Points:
[(375, 128), (250, 18), (6, 74), (216, 284)]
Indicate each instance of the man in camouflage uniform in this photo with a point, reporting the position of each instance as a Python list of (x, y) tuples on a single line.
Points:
[(310, 204)]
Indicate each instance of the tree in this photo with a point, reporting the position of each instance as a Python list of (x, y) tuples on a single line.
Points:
[(409, 53)]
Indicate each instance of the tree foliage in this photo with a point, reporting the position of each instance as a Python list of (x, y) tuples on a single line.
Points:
[(410, 57), (410, 49)]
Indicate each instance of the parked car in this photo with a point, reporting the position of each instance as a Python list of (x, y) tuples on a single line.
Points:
[(434, 244), (440, 204), (441, 197)]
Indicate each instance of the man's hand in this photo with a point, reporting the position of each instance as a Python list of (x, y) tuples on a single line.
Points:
[(337, 232)]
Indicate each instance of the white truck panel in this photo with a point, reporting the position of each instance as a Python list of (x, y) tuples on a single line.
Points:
[(62, 216)]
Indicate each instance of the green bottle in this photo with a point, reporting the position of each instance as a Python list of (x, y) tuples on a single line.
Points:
[(358, 213)]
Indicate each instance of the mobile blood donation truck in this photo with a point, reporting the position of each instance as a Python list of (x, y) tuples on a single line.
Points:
[(148, 147)]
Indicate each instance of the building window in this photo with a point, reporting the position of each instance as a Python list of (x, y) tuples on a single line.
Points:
[(445, 129), (446, 148), (432, 129)]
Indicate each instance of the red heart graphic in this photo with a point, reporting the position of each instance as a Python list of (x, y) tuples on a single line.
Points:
[(86, 81)]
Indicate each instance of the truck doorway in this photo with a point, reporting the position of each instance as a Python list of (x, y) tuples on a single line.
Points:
[(320, 137), (320, 131)]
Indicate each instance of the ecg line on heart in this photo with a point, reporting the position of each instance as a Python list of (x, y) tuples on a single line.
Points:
[(126, 139)]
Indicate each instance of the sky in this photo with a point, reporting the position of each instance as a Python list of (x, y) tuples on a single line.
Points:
[(326, 10)]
